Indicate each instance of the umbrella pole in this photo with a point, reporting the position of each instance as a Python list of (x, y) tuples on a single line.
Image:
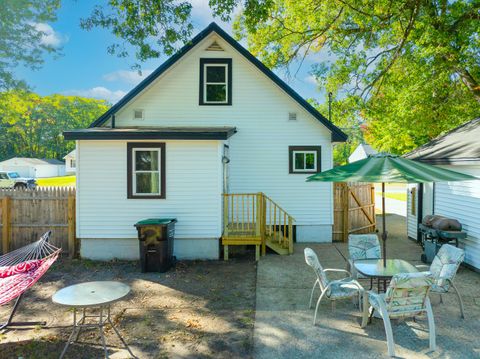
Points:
[(384, 227)]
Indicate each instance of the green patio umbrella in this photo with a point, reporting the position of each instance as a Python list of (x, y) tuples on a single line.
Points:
[(383, 168)]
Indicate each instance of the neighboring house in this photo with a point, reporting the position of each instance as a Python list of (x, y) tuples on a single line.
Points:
[(70, 165), (458, 150), (34, 167), (362, 151), (211, 119)]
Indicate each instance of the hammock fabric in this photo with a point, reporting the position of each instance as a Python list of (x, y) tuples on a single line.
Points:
[(22, 268)]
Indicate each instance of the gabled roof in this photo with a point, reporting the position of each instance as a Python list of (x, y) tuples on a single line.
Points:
[(459, 146), (35, 161), (337, 134), (72, 153)]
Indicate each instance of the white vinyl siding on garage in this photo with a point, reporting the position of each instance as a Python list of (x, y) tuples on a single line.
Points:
[(193, 190), (412, 221), (259, 150), (461, 200)]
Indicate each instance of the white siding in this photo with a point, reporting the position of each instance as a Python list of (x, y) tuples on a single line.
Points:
[(461, 200), (193, 190), (259, 151), (412, 221), (68, 161)]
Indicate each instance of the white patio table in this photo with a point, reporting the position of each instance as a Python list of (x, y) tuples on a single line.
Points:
[(98, 296)]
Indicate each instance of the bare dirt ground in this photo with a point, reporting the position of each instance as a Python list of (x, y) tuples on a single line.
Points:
[(200, 309)]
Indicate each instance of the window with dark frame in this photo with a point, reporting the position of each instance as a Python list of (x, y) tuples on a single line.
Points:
[(304, 159), (215, 82), (145, 170)]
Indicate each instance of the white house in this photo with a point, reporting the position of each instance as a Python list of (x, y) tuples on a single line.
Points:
[(70, 165), (34, 167), (362, 151), (211, 119), (458, 150)]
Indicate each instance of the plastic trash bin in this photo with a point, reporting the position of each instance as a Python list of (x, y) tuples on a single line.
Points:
[(155, 236)]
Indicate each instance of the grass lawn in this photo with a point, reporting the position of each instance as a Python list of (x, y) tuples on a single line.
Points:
[(395, 195), (56, 181)]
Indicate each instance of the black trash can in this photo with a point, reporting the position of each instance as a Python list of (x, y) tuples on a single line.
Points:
[(155, 237)]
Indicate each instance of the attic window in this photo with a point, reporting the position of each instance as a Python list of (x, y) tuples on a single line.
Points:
[(292, 116), (214, 47), (138, 114), (215, 82)]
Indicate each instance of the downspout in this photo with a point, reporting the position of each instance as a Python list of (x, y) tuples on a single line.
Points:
[(225, 162), (113, 121)]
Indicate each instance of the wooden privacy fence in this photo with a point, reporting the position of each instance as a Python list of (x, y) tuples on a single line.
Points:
[(26, 214), (354, 209)]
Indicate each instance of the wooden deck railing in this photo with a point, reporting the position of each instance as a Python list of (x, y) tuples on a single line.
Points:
[(278, 225), (254, 218)]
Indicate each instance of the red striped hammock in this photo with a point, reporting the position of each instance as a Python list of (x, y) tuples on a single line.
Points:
[(22, 268)]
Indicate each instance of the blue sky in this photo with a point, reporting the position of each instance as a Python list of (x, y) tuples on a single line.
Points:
[(86, 69)]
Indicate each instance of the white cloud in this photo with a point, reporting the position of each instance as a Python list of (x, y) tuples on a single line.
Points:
[(99, 92), (202, 15), (311, 80), (50, 37), (129, 77)]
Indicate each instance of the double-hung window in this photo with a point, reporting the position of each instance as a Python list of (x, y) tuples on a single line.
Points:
[(215, 82), (146, 170), (304, 159)]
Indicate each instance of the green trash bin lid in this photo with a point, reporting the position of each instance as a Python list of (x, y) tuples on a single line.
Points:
[(155, 221)]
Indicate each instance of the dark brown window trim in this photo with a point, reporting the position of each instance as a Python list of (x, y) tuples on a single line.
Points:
[(204, 61), (291, 149), (130, 147)]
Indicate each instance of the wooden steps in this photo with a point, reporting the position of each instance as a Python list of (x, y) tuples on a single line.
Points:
[(254, 219), (276, 247)]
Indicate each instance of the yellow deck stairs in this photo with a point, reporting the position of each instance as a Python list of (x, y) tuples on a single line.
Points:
[(254, 219)]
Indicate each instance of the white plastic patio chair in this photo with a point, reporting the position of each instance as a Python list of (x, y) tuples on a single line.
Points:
[(406, 296), (444, 267), (332, 289), (362, 246)]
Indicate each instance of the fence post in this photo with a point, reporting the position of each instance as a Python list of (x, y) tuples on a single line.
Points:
[(71, 226), (6, 224), (346, 208)]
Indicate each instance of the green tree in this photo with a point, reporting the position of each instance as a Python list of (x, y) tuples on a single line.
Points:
[(21, 37), (152, 27), (32, 125), (409, 68)]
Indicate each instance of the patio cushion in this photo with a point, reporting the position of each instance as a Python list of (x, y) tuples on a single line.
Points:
[(445, 265), (343, 288), (405, 295), (364, 246)]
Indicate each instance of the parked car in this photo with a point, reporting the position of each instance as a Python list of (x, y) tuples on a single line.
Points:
[(13, 180)]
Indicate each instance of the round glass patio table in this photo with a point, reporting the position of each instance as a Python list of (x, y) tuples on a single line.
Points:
[(96, 296), (374, 268)]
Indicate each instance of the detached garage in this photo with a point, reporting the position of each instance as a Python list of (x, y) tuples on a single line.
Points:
[(34, 167), (458, 150)]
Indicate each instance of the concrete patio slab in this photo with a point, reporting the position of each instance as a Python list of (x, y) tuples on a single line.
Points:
[(283, 321)]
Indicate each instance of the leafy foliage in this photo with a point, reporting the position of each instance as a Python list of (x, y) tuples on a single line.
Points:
[(411, 68), (152, 27), (21, 37), (32, 125), (402, 71)]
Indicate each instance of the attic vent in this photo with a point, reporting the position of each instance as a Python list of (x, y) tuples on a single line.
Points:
[(292, 116), (138, 114), (214, 47)]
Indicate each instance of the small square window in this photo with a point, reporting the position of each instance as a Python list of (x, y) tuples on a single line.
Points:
[(304, 159), (215, 82), (146, 170)]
